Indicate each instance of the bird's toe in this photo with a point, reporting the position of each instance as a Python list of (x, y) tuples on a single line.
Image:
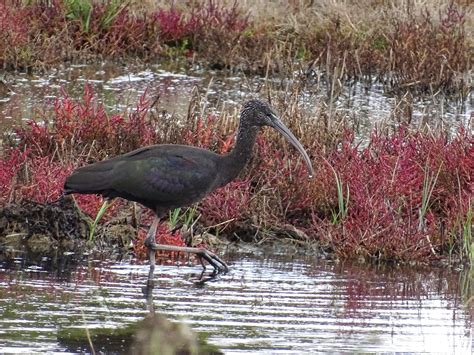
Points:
[(218, 264)]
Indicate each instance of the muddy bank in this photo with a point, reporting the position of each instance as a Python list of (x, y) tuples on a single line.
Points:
[(47, 229), (34, 230), (42, 228)]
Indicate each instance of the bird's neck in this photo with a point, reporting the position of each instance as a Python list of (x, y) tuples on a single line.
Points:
[(238, 157)]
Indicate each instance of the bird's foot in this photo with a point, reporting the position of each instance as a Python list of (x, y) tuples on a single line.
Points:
[(219, 265)]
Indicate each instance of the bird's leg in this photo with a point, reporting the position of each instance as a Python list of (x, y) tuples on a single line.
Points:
[(150, 240), (218, 264), (148, 293)]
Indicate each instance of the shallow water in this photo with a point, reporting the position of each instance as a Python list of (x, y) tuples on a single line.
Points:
[(269, 303), (119, 87)]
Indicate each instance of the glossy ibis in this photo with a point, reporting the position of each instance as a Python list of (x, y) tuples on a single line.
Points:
[(167, 176)]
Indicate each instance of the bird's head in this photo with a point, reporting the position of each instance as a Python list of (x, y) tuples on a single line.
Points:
[(258, 113)]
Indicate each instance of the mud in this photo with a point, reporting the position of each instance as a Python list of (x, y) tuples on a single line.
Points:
[(42, 228), (47, 230)]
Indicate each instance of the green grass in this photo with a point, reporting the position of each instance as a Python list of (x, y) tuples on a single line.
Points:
[(342, 200), (468, 242), (98, 217)]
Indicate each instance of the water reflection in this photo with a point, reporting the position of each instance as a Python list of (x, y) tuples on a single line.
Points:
[(269, 302)]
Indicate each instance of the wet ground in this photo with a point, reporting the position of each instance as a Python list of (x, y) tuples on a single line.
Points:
[(272, 301)]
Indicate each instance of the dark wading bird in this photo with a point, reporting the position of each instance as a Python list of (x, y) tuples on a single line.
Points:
[(167, 176)]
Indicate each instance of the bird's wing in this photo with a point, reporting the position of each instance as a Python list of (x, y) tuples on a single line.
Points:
[(164, 177)]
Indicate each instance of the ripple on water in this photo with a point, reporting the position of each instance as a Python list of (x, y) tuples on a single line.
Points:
[(265, 304)]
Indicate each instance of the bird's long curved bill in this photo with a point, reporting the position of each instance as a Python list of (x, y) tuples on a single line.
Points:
[(280, 127)]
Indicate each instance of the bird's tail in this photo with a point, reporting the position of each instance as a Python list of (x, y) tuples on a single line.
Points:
[(90, 179)]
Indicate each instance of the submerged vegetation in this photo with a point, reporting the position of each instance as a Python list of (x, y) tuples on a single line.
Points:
[(416, 45), (404, 196)]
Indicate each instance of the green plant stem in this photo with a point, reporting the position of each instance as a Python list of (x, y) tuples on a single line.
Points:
[(99, 216), (468, 242), (342, 201), (429, 182)]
